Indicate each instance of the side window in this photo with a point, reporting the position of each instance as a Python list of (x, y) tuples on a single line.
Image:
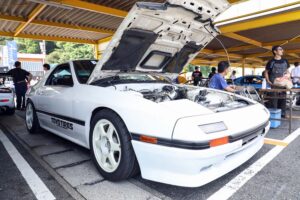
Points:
[(61, 76), (243, 80), (83, 69)]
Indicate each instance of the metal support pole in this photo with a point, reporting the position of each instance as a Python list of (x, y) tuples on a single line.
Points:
[(96, 51), (243, 66), (291, 110)]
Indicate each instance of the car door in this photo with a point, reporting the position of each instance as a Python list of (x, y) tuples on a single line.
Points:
[(55, 100)]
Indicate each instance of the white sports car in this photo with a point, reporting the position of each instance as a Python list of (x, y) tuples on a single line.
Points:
[(7, 101), (127, 112)]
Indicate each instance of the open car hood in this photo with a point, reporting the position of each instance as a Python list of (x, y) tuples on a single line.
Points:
[(161, 37)]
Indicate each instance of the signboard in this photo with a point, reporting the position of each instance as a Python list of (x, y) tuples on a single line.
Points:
[(12, 51), (4, 56)]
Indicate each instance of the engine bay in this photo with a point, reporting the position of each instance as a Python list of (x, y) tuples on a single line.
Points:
[(214, 100)]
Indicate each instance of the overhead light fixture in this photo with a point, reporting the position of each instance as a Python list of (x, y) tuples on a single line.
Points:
[(51, 3)]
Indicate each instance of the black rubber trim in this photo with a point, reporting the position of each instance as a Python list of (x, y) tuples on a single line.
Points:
[(245, 136), (130, 50), (177, 143), (249, 135), (69, 119), (181, 58)]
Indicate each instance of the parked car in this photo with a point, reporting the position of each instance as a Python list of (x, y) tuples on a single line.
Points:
[(7, 103), (251, 80), (131, 117)]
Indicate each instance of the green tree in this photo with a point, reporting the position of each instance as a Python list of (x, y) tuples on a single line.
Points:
[(4, 39), (66, 51), (28, 46)]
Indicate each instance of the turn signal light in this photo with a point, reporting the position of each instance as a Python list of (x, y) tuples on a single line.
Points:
[(219, 141), (4, 100), (148, 139)]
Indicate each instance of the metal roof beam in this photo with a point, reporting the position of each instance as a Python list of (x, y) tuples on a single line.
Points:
[(253, 42), (48, 38), (36, 11), (243, 39), (56, 24), (235, 1), (231, 55), (268, 44), (292, 53), (73, 27), (259, 12), (260, 22), (84, 5), (107, 39)]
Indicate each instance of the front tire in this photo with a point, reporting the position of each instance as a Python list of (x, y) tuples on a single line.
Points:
[(111, 148), (31, 120)]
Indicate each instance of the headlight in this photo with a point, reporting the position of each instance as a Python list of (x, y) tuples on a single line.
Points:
[(213, 127)]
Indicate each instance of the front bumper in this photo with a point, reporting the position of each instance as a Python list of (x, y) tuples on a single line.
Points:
[(193, 168)]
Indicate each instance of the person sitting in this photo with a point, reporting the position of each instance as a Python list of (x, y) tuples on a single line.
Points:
[(218, 80), (296, 73), (212, 73)]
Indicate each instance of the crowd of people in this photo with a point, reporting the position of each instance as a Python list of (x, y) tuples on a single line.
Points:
[(22, 79), (276, 73)]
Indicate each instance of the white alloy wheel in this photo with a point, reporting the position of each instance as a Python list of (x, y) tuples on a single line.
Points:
[(29, 116), (106, 145)]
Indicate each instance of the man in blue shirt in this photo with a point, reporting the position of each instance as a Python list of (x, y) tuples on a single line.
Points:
[(218, 81)]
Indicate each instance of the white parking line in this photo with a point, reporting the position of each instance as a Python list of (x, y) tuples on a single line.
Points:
[(235, 184), (37, 186)]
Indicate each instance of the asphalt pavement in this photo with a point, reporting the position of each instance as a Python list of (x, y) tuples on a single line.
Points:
[(68, 172)]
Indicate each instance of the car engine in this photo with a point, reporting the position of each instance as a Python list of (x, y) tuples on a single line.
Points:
[(216, 101)]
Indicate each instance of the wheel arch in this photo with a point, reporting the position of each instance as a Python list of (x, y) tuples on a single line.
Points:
[(98, 109)]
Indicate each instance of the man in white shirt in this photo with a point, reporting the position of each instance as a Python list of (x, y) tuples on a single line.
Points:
[(296, 73), (296, 79)]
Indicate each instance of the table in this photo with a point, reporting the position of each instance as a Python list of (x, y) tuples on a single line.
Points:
[(290, 95)]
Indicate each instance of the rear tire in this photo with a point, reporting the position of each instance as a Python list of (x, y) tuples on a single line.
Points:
[(31, 120), (111, 148)]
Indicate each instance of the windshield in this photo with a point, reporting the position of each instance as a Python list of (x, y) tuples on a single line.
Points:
[(124, 78), (83, 69)]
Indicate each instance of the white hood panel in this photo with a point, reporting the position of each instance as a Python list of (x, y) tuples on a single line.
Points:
[(161, 37)]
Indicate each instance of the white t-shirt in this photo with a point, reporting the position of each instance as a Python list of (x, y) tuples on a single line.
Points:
[(232, 77), (296, 73)]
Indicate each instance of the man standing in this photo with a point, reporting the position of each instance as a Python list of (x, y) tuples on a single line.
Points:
[(218, 80), (276, 68), (232, 76), (20, 79), (196, 76)]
